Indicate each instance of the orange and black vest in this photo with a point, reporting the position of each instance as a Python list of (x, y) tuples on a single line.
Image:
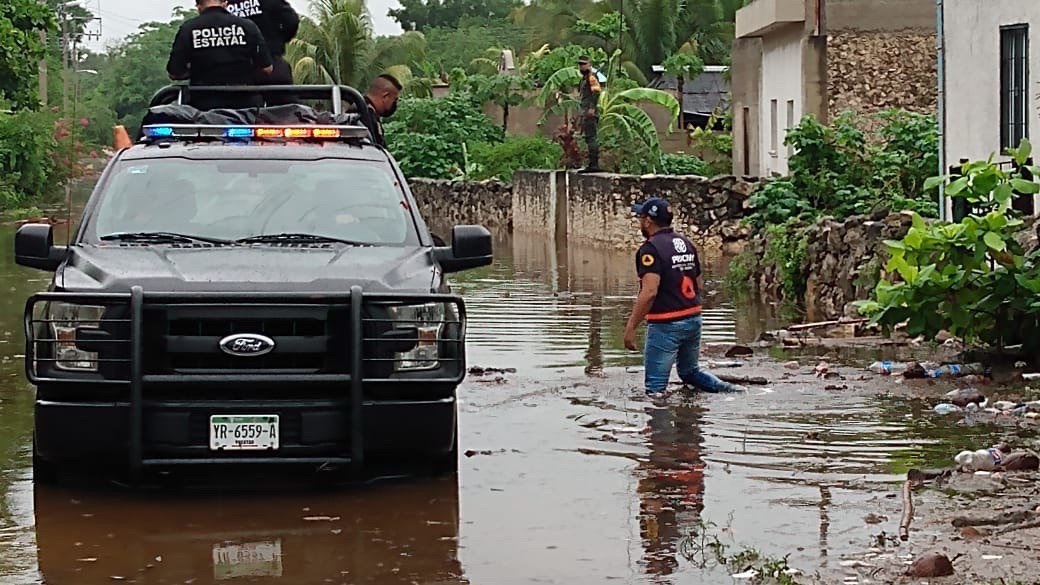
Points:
[(675, 259)]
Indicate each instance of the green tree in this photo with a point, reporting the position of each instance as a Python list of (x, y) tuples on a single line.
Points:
[(423, 14), (621, 119), (459, 47), (132, 72), (21, 49), (337, 46), (505, 91), (683, 66)]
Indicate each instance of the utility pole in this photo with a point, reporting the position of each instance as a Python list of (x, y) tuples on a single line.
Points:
[(43, 70)]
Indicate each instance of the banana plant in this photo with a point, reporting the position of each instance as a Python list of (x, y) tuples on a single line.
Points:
[(620, 114)]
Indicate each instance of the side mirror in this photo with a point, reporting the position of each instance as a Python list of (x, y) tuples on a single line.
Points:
[(471, 247), (34, 247)]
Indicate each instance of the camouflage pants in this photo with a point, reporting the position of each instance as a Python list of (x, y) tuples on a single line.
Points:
[(590, 128)]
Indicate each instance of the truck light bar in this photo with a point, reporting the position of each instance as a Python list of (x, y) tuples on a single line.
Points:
[(195, 131)]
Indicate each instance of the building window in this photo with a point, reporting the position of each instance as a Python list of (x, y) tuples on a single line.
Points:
[(1014, 85), (790, 124), (774, 129)]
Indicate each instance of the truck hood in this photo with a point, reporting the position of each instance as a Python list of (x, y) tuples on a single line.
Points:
[(166, 268)]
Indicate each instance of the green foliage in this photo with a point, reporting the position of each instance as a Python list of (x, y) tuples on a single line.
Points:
[(624, 127), (38, 152), (426, 135), (542, 67), (683, 164), (836, 170), (607, 28), (419, 15), (132, 72), (337, 46), (971, 278), (501, 160), (20, 48), (786, 249), (684, 66), (451, 48), (505, 91), (716, 140)]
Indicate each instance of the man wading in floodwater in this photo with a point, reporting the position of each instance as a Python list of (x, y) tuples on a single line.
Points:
[(669, 299)]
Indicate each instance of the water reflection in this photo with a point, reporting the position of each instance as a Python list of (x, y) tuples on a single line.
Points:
[(671, 485), (385, 534)]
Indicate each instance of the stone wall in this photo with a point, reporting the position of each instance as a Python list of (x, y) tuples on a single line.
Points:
[(843, 261), (449, 203), (869, 72), (594, 209), (708, 211)]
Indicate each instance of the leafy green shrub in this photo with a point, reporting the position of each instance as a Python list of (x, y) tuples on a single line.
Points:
[(777, 202), (426, 135), (27, 143), (683, 164), (501, 160), (786, 249), (972, 278), (836, 170)]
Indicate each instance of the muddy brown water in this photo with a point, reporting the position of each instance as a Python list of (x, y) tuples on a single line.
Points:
[(572, 480)]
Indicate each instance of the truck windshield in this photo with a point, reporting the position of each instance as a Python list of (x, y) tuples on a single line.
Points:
[(233, 200)]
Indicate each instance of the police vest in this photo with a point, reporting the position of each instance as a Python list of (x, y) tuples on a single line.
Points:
[(675, 260)]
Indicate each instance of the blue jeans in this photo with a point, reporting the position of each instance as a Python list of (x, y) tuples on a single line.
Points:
[(678, 343)]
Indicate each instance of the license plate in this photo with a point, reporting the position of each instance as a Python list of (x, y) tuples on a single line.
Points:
[(243, 432), (249, 559)]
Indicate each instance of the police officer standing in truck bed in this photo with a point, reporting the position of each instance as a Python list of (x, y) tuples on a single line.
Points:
[(279, 23), (219, 48)]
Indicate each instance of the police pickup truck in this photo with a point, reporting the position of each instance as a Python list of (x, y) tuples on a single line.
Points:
[(248, 294)]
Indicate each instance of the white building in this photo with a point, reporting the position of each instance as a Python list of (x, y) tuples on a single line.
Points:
[(990, 104), (824, 57)]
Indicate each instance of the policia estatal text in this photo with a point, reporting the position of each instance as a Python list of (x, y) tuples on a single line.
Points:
[(278, 23), (219, 48)]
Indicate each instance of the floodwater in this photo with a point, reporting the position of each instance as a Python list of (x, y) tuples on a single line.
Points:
[(568, 479)]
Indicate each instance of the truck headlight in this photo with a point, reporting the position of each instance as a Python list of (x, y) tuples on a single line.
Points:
[(64, 320), (428, 323)]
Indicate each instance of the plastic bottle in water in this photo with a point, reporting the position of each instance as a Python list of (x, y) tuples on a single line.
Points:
[(887, 368), (956, 370)]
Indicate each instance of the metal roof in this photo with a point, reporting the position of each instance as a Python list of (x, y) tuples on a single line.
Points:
[(703, 95)]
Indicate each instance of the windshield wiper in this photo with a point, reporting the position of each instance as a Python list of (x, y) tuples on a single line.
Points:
[(162, 237), (279, 238)]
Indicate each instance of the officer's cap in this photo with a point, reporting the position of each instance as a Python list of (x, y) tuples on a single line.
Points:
[(656, 209), (584, 60)]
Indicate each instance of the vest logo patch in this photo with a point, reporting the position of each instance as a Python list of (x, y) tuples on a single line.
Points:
[(680, 245), (647, 260)]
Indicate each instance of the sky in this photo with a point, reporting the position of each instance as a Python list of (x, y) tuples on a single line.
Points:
[(120, 18)]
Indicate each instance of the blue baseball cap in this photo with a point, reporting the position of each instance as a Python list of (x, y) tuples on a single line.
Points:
[(655, 208)]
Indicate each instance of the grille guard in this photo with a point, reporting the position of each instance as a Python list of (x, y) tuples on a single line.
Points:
[(136, 378)]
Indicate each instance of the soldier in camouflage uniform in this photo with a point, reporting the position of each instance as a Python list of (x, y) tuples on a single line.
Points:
[(589, 90)]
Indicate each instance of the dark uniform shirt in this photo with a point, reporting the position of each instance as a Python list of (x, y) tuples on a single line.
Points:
[(376, 128), (219, 48), (277, 21), (588, 91), (674, 258)]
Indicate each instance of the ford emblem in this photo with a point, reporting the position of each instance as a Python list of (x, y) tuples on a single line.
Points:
[(247, 345)]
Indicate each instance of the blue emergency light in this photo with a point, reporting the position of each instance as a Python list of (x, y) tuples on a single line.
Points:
[(205, 131), (159, 131)]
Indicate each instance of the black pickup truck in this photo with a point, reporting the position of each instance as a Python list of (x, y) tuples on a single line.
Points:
[(248, 294)]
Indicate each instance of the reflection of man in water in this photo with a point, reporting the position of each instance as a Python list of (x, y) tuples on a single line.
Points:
[(671, 485)]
